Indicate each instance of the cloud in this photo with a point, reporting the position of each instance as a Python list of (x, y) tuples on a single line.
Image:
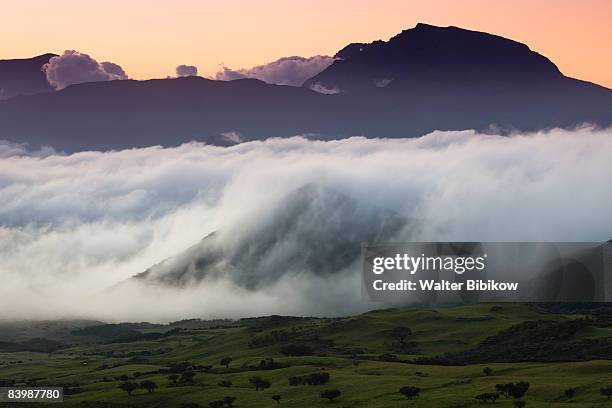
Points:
[(284, 71), (318, 87), (74, 67), (186, 70), (74, 227)]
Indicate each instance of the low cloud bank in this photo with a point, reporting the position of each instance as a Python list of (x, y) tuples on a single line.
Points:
[(73, 227), (74, 67), (284, 71)]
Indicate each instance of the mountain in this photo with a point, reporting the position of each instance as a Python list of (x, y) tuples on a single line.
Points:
[(312, 230), (23, 76), (424, 79)]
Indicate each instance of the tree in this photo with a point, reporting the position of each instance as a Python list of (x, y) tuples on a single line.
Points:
[(229, 401), (519, 390), (400, 334), (569, 393), (606, 391), (174, 378), (519, 403), (331, 394), (295, 380), (128, 386), (259, 383), (487, 371), (226, 361), (276, 398), (148, 385), (224, 383), (216, 404), (410, 392)]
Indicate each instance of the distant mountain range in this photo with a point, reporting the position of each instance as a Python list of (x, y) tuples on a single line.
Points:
[(423, 79), (23, 76)]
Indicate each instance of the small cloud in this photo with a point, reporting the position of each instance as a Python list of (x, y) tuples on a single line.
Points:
[(381, 83), (233, 137), (292, 71), (74, 67), (186, 70), (318, 87)]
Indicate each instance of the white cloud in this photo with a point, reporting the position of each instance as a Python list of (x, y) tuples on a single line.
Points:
[(74, 67), (284, 71), (73, 225)]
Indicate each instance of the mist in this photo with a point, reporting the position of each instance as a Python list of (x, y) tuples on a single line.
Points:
[(75, 228)]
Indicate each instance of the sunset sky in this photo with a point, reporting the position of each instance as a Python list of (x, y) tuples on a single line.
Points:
[(150, 38)]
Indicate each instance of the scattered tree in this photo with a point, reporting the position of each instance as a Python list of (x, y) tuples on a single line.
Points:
[(148, 385), (410, 392), (259, 383), (187, 376), (128, 386), (606, 391), (224, 383), (519, 403), (174, 378), (569, 393), (512, 390), (296, 380), (400, 334), (216, 404), (331, 394), (276, 398), (487, 371), (226, 361)]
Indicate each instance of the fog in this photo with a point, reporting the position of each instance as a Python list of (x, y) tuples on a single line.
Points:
[(74, 228)]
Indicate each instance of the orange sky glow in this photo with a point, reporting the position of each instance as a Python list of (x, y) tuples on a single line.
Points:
[(150, 38)]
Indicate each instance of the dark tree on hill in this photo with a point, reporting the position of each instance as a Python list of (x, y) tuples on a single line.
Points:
[(229, 401), (276, 398), (174, 378), (487, 371), (512, 390), (331, 394), (148, 385), (569, 393), (224, 383), (216, 404), (606, 391), (410, 392), (259, 383), (128, 386), (519, 403), (226, 361), (400, 334), (296, 380)]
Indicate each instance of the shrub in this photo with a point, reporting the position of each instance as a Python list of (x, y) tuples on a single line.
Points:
[(519, 403), (259, 383), (606, 391), (331, 394), (569, 393), (128, 387), (276, 398), (296, 380), (410, 392), (388, 357), (148, 385), (224, 383), (226, 361), (487, 371)]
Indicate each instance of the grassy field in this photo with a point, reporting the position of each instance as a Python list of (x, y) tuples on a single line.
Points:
[(348, 349)]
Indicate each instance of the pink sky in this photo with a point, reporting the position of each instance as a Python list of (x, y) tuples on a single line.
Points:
[(149, 38)]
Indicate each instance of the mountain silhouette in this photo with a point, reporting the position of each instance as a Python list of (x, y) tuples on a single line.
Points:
[(313, 229), (23, 76), (423, 79)]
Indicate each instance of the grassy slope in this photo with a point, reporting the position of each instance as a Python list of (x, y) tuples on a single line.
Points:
[(371, 383)]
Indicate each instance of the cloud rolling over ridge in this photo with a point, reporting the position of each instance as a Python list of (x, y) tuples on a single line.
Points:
[(73, 225)]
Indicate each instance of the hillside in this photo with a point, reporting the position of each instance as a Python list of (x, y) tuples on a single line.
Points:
[(364, 356)]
